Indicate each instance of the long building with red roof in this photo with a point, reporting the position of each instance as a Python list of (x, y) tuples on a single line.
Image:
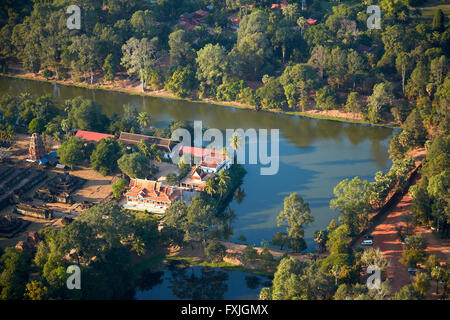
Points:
[(91, 136)]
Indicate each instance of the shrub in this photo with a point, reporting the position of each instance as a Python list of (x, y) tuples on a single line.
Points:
[(37, 125), (181, 82), (215, 251), (326, 98), (119, 186), (46, 73), (229, 90)]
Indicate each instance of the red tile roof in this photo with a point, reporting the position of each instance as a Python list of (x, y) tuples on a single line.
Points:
[(311, 21), (281, 5), (92, 136), (200, 13), (197, 173), (152, 190), (199, 152)]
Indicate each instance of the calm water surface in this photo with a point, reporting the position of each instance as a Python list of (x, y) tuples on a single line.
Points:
[(199, 283)]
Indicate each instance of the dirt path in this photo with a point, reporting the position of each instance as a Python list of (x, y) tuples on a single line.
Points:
[(387, 239)]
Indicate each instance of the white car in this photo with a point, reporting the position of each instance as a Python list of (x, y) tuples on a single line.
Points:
[(367, 243)]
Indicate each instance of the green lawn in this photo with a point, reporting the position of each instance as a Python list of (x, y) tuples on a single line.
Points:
[(150, 263), (224, 265)]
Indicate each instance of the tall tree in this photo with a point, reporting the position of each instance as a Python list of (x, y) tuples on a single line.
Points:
[(317, 59), (109, 68), (403, 63), (295, 214), (71, 152), (181, 52), (86, 57), (138, 55), (438, 20), (212, 63), (135, 165), (382, 96), (353, 203), (253, 46), (104, 157)]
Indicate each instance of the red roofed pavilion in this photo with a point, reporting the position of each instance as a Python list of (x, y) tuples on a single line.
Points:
[(92, 136)]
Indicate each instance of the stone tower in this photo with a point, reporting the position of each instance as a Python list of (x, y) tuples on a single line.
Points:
[(36, 150)]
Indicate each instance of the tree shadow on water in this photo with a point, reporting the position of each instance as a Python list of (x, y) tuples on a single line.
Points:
[(198, 283)]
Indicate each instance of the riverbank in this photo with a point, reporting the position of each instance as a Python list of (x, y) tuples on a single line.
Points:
[(128, 87)]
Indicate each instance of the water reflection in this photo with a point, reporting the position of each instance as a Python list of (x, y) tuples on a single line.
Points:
[(182, 282)]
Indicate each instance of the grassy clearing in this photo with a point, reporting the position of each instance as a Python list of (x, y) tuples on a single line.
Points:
[(223, 265), (154, 262), (150, 263)]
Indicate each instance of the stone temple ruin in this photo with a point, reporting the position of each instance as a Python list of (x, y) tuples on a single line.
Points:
[(36, 151), (41, 212), (59, 188), (10, 226)]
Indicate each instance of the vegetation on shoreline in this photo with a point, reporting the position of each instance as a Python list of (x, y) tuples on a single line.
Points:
[(276, 60), (207, 101)]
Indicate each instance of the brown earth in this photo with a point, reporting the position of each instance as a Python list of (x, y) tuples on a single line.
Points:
[(335, 114)]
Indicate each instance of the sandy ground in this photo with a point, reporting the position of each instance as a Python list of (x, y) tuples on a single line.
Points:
[(164, 168), (336, 114), (97, 188), (387, 239)]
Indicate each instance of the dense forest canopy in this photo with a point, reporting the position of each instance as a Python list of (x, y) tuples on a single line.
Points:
[(268, 54)]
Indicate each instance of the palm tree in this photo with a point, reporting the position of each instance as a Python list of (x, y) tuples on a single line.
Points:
[(301, 22), (211, 186), (138, 246), (224, 152), (290, 11), (143, 119), (235, 141), (436, 274), (65, 125), (222, 179), (7, 135)]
